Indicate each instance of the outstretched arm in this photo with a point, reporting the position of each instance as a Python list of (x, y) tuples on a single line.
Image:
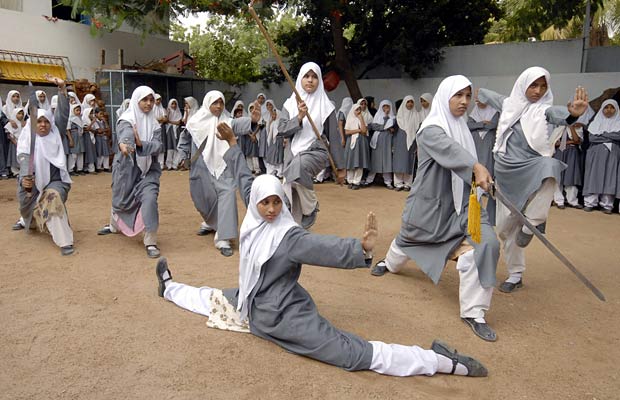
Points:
[(236, 162)]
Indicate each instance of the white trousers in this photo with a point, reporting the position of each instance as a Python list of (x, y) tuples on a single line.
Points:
[(170, 157), (354, 176), (150, 238), (508, 226), (571, 195), (274, 168), (61, 232), (253, 163), (178, 157), (387, 359), (76, 159), (103, 162), (604, 200), (321, 176), (474, 299), (160, 159), (401, 180), (387, 177), (307, 198)]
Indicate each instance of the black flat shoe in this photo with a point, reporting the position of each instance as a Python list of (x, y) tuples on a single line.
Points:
[(204, 231), (523, 239), (18, 226), (308, 220), (509, 287), (379, 269), (160, 269), (106, 230), (474, 367), (481, 329), (226, 251), (152, 251), (66, 250)]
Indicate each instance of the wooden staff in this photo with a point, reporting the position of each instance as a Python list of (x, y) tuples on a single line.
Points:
[(339, 179)]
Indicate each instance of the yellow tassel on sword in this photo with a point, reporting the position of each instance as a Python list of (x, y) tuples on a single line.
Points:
[(473, 214)]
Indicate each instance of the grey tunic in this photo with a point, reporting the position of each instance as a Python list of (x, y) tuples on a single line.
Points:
[(306, 164), (571, 156), (601, 166), (281, 310), (170, 137), (431, 229), (484, 150), (275, 151), (132, 192), (381, 157), (90, 152), (215, 199), (402, 162), (335, 140), (359, 155), (78, 143), (520, 171), (101, 142), (262, 142)]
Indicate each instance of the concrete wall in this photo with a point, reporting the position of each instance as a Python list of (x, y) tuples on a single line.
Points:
[(73, 40)]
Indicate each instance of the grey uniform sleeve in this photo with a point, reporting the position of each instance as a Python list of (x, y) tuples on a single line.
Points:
[(61, 115), (375, 127), (473, 125), (185, 143), (324, 250), (446, 152), (559, 115), (494, 122), (288, 127), (241, 126), (235, 160), (491, 98), (153, 147)]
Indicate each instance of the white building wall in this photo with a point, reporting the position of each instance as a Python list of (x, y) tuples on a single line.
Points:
[(73, 40)]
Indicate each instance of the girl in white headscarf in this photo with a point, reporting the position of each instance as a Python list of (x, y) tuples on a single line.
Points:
[(252, 145), (271, 304), (305, 156), (403, 157), (13, 101), (102, 148), (190, 107), (435, 218), (383, 128), (601, 178), (426, 100), (212, 186), (525, 170), (274, 156), (13, 129), (89, 140), (42, 197), (43, 101), (75, 131), (136, 172), (162, 118), (73, 98), (357, 156), (172, 132), (482, 123), (89, 101), (341, 117)]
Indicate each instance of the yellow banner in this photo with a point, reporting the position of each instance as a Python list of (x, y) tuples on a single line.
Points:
[(24, 71)]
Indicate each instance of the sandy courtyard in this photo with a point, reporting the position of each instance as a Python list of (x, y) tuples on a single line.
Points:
[(91, 326)]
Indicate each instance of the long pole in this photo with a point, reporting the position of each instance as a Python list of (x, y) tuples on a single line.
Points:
[(586, 39), (273, 49)]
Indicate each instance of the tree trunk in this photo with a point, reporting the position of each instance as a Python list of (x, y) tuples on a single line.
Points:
[(342, 60)]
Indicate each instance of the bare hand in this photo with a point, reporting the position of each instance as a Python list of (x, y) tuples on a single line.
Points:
[(253, 138), (225, 132), (55, 80), (371, 232), (483, 177), (126, 149), (13, 124), (136, 136), (357, 112), (28, 183), (302, 108), (579, 105)]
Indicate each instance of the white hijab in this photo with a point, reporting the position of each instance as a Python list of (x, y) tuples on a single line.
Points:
[(203, 125), (425, 111), (86, 102), (145, 123), (75, 119), (532, 115), (174, 115), (54, 102), (74, 96), (239, 104), (319, 108), (14, 132), (259, 239), (379, 119), (353, 123), (345, 107), (455, 128), (122, 108), (272, 124), (601, 124), (47, 150), (46, 104), (482, 114), (408, 120), (9, 106), (158, 109), (193, 108), (263, 108)]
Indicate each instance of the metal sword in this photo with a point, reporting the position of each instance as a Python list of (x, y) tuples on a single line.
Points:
[(498, 193)]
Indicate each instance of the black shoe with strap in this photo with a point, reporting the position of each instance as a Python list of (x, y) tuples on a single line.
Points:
[(509, 287), (160, 269), (379, 269), (481, 329), (474, 367)]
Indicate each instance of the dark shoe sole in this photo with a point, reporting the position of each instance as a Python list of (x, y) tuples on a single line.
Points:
[(474, 367), (67, 250), (509, 287), (152, 251), (104, 231), (160, 268), (226, 251), (379, 270)]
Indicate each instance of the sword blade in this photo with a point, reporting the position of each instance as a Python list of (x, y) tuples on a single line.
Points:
[(548, 244)]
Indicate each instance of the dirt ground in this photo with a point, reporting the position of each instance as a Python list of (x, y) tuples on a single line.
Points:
[(91, 326)]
